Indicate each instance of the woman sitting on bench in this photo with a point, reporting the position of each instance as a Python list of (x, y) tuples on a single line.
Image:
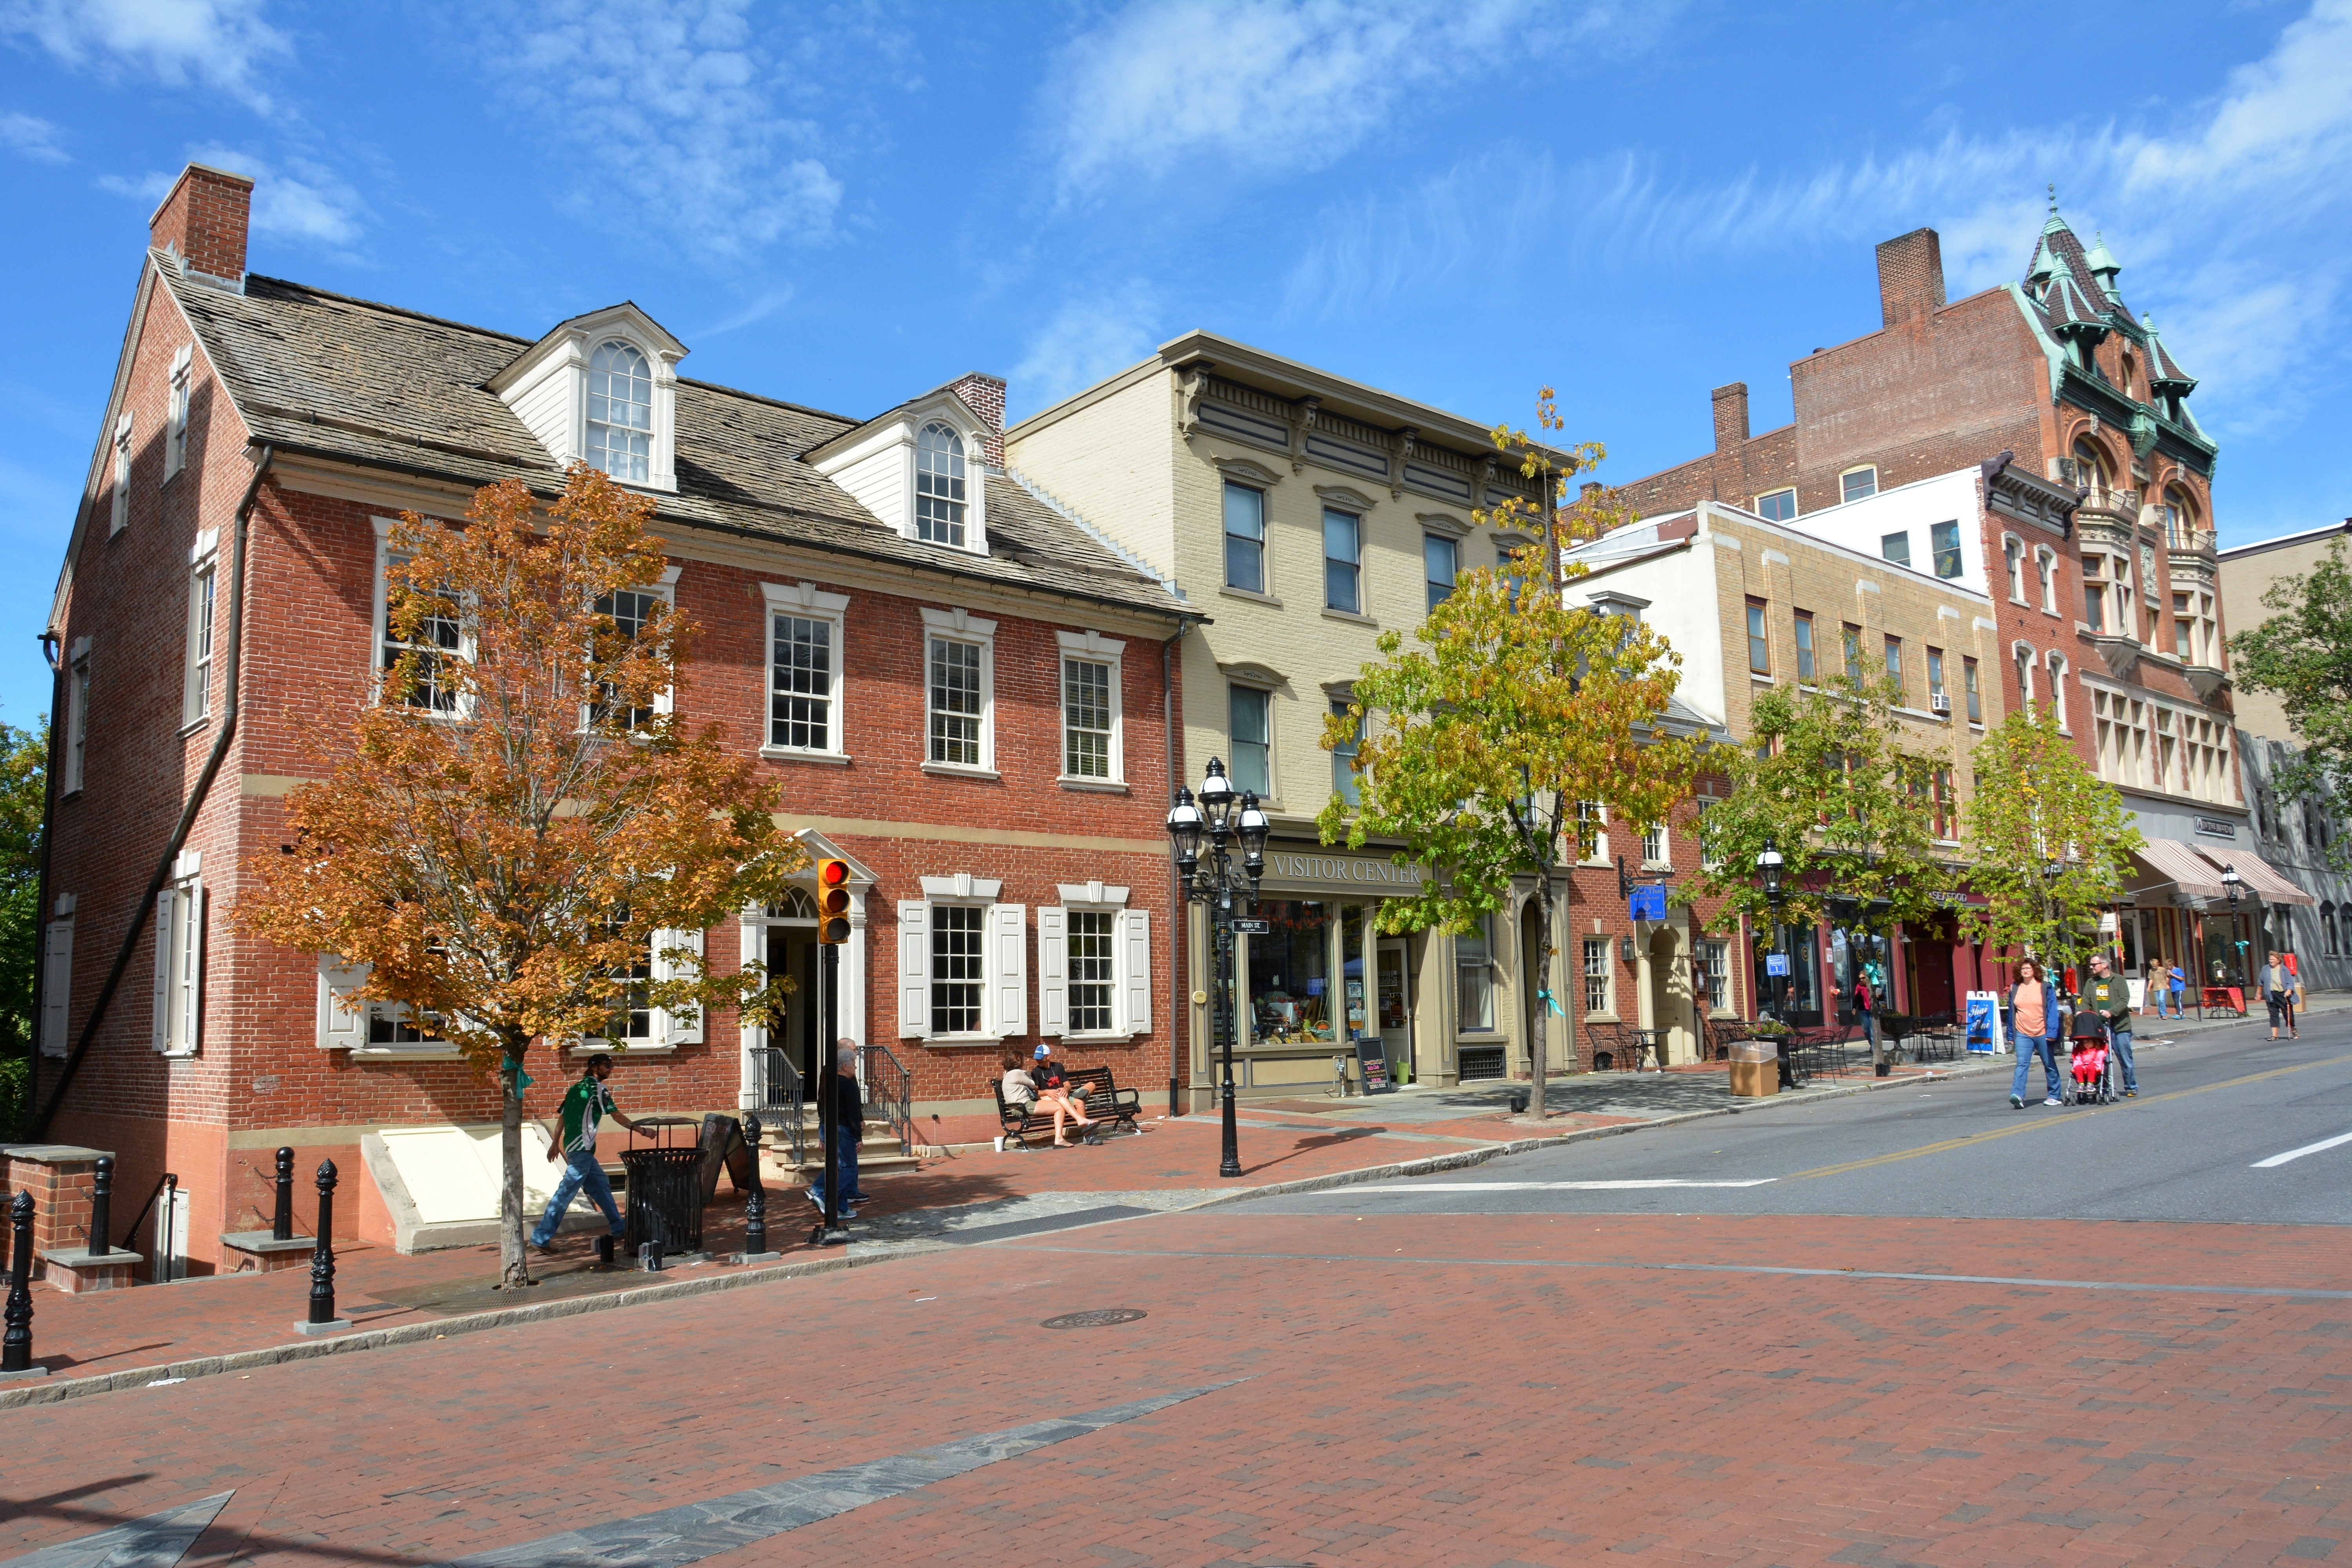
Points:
[(1021, 1092)]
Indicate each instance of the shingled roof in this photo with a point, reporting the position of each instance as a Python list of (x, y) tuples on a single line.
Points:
[(326, 374)]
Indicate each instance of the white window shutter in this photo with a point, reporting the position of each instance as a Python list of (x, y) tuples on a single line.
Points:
[(1135, 970), (160, 1015), (192, 984), (1052, 970), (915, 970), (683, 1027), (56, 988), (1008, 969), (341, 1029)]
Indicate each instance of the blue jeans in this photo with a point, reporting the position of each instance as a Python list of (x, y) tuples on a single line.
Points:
[(2026, 1051), (2120, 1041), (845, 1169), (580, 1172), (2161, 994)]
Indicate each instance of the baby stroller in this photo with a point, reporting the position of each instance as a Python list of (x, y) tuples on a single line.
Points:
[(2090, 1074)]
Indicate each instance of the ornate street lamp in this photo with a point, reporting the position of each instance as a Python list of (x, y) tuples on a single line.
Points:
[(1216, 883), (1768, 866)]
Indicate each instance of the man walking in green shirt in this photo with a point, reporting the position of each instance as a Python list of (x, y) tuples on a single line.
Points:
[(2106, 994), (585, 1104)]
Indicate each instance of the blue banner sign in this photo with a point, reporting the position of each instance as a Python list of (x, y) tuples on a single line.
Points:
[(1648, 903), (1776, 964)]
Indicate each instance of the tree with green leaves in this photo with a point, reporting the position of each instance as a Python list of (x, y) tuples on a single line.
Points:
[(2303, 655), (23, 796), (520, 819), (2050, 842), (1828, 779), (1477, 745)]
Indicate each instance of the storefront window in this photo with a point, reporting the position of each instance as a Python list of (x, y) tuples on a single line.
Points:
[(1804, 997), (1290, 974), (1356, 970)]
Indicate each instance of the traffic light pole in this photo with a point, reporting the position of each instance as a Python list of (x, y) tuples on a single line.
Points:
[(828, 1076)]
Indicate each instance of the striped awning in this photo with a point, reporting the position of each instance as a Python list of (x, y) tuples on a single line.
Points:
[(2179, 864), (2263, 880)]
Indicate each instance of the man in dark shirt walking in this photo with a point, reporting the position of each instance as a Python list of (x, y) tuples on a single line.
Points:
[(2106, 994), (574, 1141)]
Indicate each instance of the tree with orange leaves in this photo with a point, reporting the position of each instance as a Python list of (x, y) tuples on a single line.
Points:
[(516, 817)]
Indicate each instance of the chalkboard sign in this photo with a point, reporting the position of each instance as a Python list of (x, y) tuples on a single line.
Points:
[(1373, 1062)]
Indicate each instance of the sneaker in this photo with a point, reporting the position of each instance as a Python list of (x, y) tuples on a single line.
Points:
[(2131, 1094), (546, 1247), (2054, 1099), (2016, 1102)]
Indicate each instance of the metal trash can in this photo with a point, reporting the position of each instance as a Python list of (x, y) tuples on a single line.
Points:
[(664, 1191)]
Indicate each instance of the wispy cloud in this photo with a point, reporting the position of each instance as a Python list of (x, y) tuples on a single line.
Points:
[(32, 138), (756, 310), (1085, 340), (1487, 210), (220, 43), (672, 105), (1293, 85), (294, 199)]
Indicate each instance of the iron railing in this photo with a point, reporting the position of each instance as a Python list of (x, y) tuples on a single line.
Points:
[(776, 1086), (889, 1092), (781, 1091)]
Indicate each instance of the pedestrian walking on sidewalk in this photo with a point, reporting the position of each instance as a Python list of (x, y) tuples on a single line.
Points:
[(2170, 983), (2033, 1025), (572, 1140), (2281, 991), (2106, 994), (848, 1131)]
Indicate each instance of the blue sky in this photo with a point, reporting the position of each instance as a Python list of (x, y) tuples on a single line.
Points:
[(843, 204)]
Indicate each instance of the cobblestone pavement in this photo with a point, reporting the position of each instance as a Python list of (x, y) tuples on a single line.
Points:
[(1478, 1391)]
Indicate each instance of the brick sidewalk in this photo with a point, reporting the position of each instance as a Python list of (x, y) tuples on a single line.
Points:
[(1432, 1392)]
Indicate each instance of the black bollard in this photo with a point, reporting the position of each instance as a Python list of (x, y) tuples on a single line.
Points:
[(102, 1207), (16, 1348), (281, 1219), (604, 1251), (322, 1255), (755, 1206), (171, 1227)]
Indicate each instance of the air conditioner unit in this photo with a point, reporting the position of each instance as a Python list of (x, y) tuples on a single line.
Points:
[(1939, 702)]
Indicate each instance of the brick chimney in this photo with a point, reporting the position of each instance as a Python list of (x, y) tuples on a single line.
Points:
[(204, 220), (984, 395), (1730, 415), (1910, 276)]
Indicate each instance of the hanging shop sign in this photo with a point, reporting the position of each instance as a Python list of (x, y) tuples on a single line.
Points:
[(1339, 872)]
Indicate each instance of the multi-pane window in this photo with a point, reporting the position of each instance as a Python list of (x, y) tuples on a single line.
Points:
[(955, 702), (1249, 709), (436, 641), (957, 945), (1896, 547), (631, 1014), (1441, 561), (1852, 637), (2095, 593), (197, 700), (1596, 974), (1244, 538), (2046, 562), (939, 499), (1653, 844), (121, 517), (2058, 689), (1759, 643), (391, 1024), (800, 696), (1858, 484), (1474, 967), (1894, 660), (1343, 562), (1969, 679), (1343, 756), (1714, 963), (1805, 645), (2024, 673), (620, 412), (630, 611), (1085, 718), (1589, 820), (1780, 506), (2013, 554), (1946, 820), (1936, 698), (1944, 538), (179, 966), (1092, 945)]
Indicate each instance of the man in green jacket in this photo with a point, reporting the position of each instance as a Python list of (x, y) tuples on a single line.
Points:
[(2106, 994)]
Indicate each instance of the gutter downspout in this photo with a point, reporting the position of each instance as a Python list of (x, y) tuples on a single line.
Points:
[(52, 650), (1178, 908), (213, 761)]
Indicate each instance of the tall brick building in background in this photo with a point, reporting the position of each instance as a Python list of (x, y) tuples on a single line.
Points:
[(2091, 522), (963, 691)]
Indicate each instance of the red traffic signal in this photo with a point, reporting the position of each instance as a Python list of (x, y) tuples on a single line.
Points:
[(832, 903)]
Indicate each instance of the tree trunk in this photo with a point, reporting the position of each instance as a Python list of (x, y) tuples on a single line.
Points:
[(1540, 1034), (514, 1254)]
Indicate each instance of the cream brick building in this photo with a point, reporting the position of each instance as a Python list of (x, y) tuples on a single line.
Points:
[(1302, 514)]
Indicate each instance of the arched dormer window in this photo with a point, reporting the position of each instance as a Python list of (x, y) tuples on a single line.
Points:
[(621, 412), (2091, 465), (939, 486)]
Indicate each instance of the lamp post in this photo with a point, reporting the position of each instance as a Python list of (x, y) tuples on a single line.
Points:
[(1216, 883), (2235, 885), (1767, 867)]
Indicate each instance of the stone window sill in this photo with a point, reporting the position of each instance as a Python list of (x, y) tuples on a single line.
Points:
[(1093, 787), (793, 754), (1250, 595), (1351, 616), (960, 771)]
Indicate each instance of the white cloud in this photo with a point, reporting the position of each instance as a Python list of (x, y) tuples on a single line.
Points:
[(670, 106), (1373, 250), (1084, 341), (300, 200), (32, 138), (221, 44), (1262, 87)]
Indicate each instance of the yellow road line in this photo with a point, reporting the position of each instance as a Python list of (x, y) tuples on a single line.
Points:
[(1949, 1144)]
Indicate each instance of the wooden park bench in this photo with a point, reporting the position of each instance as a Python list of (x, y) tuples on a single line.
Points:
[(1106, 1105)]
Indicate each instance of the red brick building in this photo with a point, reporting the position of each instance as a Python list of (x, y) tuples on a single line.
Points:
[(962, 691), (2095, 509)]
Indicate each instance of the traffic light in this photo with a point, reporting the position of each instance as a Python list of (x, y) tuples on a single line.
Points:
[(832, 903)]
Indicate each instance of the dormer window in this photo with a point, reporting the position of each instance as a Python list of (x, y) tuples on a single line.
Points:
[(939, 486), (620, 412)]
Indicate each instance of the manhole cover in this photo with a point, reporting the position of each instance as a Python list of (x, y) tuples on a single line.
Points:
[(1101, 1317)]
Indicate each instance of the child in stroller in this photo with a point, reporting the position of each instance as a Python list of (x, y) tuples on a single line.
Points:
[(2091, 1052)]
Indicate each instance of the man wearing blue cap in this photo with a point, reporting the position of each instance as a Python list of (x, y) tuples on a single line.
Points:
[(1053, 1084)]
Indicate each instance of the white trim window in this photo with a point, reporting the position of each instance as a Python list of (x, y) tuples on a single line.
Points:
[(2058, 691), (439, 638), (120, 500), (1592, 836), (963, 962), (175, 423), (1778, 506), (1093, 965), (56, 979), (631, 609), (367, 1026), (1713, 961), (2046, 567), (2023, 655), (805, 672), (1858, 484), (1599, 976), (1345, 781), (2013, 552), (76, 749), (621, 412), (1093, 744), (941, 493), (176, 1022), (1473, 987), (959, 692), (204, 580), (1656, 845)]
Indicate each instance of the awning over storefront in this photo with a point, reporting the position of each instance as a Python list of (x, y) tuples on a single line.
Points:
[(2180, 865), (2263, 881)]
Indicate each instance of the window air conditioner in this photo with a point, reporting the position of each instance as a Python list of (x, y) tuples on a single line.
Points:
[(1939, 702)]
